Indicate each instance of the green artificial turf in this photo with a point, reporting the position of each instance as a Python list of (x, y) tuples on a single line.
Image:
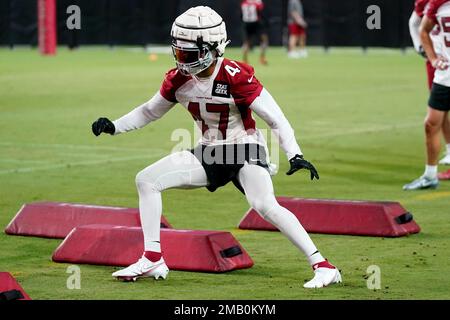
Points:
[(358, 117)]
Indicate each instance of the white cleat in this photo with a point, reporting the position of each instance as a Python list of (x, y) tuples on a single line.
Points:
[(303, 53), (324, 275), (294, 55), (143, 268), (422, 182), (445, 160)]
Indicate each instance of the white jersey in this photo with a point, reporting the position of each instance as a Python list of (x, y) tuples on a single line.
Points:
[(435, 36), (439, 12), (221, 105)]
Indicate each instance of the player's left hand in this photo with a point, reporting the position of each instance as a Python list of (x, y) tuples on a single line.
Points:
[(298, 163)]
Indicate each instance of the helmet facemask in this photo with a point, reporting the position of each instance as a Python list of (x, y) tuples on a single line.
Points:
[(192, 58)]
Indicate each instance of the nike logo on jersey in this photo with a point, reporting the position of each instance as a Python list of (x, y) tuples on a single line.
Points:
[(251, 79)]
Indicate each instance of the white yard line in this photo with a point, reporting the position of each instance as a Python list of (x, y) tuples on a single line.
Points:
[(363, 130), (76, 164), (22, 161), (375, 89), (73, 146)]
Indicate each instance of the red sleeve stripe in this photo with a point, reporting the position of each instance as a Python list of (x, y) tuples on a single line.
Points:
[(172, 82), (167, 95), (419, 7), (247, 119), (247, 100), (433, 7)]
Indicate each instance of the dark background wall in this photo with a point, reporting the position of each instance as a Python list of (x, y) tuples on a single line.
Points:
[(141, 22)]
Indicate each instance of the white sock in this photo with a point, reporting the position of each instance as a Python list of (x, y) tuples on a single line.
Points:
[(316, 257), (289, 225), (154, 246), (448, 148), (431, 171), (150, 209)]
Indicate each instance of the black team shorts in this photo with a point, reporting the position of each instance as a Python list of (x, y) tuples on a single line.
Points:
[(223, 162), (253, 30), (439, 97)]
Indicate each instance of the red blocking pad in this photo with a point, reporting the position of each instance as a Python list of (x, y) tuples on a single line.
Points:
[(188, 250), (362, 218), (8, 285), (57, 219)]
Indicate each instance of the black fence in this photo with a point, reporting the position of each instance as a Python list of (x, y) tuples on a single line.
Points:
[(141, 22)]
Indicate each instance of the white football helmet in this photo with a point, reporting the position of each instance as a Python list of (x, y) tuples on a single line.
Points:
[(199, 36)]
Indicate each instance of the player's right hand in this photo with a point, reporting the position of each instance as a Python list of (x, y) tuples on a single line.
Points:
[(103, 125), (440, 63)]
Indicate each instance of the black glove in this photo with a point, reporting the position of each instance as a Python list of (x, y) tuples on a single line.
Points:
[(298, 163), (103, 125)]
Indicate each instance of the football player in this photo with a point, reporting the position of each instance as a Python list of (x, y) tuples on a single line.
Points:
[(254, 27), (437, 13), (414, 23), (297, 30), (221, 96)]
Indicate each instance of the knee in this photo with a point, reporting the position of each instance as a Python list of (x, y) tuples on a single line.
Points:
[(263, 205), (147, 181), (431, 126)]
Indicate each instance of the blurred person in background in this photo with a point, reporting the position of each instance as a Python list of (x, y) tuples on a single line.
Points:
[(297, 30), (255, 26), (436, 13), (414, 23)]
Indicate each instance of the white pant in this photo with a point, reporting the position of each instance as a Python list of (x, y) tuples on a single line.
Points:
[(183, 170)]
